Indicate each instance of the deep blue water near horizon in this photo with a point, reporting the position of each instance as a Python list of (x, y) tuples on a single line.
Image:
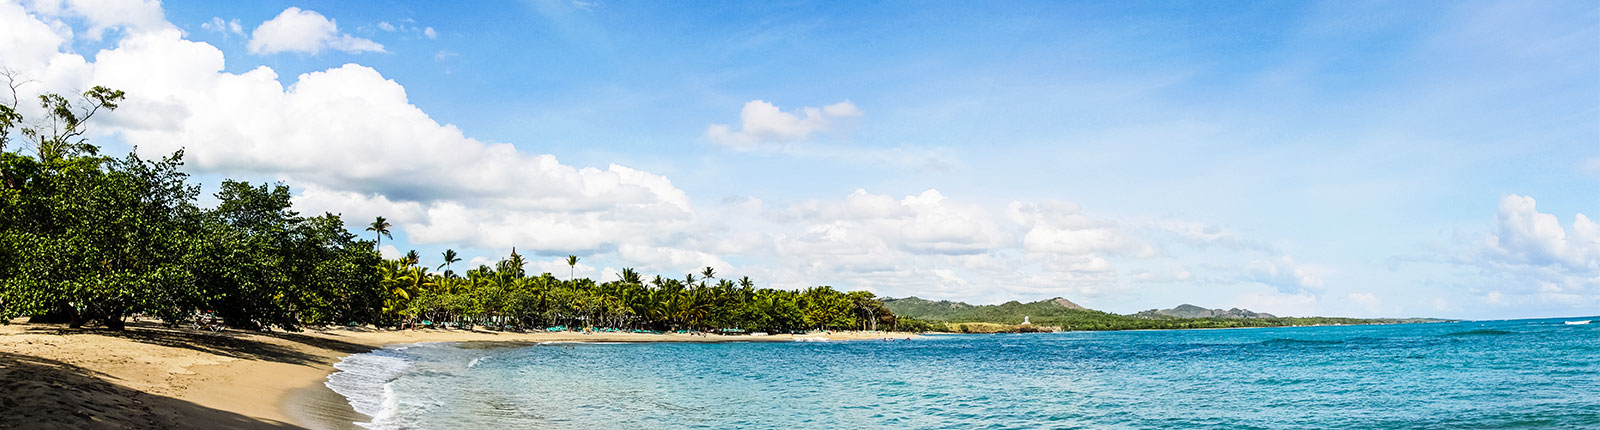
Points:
[(1499, 374)]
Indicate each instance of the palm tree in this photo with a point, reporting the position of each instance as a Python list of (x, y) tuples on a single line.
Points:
[(412, 258), (572, 267), (708, 273), (515, 263), (380, 226), (746, 283), (629, 276), (449, 257)]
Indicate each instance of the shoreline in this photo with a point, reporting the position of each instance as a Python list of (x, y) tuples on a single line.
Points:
[(152, 376), (317, 406)]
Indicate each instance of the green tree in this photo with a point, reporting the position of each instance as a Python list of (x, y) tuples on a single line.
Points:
[(572, 267), (380, 229), (450, 257)]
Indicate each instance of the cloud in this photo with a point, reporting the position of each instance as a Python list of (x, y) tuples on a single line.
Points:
[(1057, 227), (923, 223), (936, 245), (226, 28), (762, 123), (1529, 237), (1590, 165), (29, 43), (1203, 235), (1530, 257), (305, 31), (103, 15), (1367, 301), (408, 26), (1170, 276), (1286, 276)]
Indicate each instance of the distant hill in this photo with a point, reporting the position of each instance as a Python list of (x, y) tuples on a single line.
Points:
[(1005, 313), (1192, 311), (1063, 313)]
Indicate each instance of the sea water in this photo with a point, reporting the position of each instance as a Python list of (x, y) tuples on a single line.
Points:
[(1502, 374)]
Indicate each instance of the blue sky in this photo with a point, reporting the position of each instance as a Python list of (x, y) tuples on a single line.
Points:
[(1327, 158)]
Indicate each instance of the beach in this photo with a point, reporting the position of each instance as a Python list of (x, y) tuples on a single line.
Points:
[(150, 376)]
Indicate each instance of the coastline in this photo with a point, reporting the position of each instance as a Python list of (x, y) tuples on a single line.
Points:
[(149, 375)]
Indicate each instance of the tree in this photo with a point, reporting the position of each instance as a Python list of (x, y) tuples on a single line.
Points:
[(826, 308), (60, 136), (450, 257), (514, 265), (85, 237), (867, 309), (380, 229), (412, 258), (572, 267)]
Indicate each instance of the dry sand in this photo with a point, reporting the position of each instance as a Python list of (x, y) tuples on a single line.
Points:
[(154, 377)]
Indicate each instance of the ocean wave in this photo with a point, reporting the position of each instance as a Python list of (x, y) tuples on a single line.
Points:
[(1288, 341), (365, 380), (1480, 332)]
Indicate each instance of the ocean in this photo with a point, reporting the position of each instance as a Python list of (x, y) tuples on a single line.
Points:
[(1502, 374)]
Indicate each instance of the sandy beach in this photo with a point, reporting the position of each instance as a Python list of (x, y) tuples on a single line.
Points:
[(154, 377)]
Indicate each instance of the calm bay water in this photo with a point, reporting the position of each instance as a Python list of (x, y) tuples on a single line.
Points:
[(1504, 374)]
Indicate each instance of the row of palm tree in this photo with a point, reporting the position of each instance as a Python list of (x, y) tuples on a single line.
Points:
[(503, 296)]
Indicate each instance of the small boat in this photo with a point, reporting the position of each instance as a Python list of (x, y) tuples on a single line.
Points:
[(810, 339), (1581, 322)]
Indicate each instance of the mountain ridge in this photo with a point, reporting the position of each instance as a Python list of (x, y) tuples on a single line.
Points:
[(1191, 311), (1062, 314)]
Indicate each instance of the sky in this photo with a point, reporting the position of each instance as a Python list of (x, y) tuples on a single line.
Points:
[(1368, 159)]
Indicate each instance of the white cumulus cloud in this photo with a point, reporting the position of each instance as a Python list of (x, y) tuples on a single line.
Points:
[(1527, 236), (762, 122), (1531, 257), (305, 31)]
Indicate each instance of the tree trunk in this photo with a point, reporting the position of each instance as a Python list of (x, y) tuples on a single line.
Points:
[(60, 312)]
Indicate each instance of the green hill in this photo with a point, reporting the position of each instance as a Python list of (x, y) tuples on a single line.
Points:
[(1060, 312), (1192, 311)]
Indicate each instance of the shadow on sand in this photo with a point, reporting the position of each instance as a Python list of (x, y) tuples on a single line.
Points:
[(226, 343), (37, 393)]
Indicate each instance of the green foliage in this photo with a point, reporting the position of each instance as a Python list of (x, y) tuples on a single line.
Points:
[(101, 237), (92, 239), (503, 296)]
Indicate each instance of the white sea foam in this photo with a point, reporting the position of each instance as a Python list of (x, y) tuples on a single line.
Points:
[(365, 380), (475, 361)]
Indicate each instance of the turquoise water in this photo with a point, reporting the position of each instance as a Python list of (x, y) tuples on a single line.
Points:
[(1507, 374)]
